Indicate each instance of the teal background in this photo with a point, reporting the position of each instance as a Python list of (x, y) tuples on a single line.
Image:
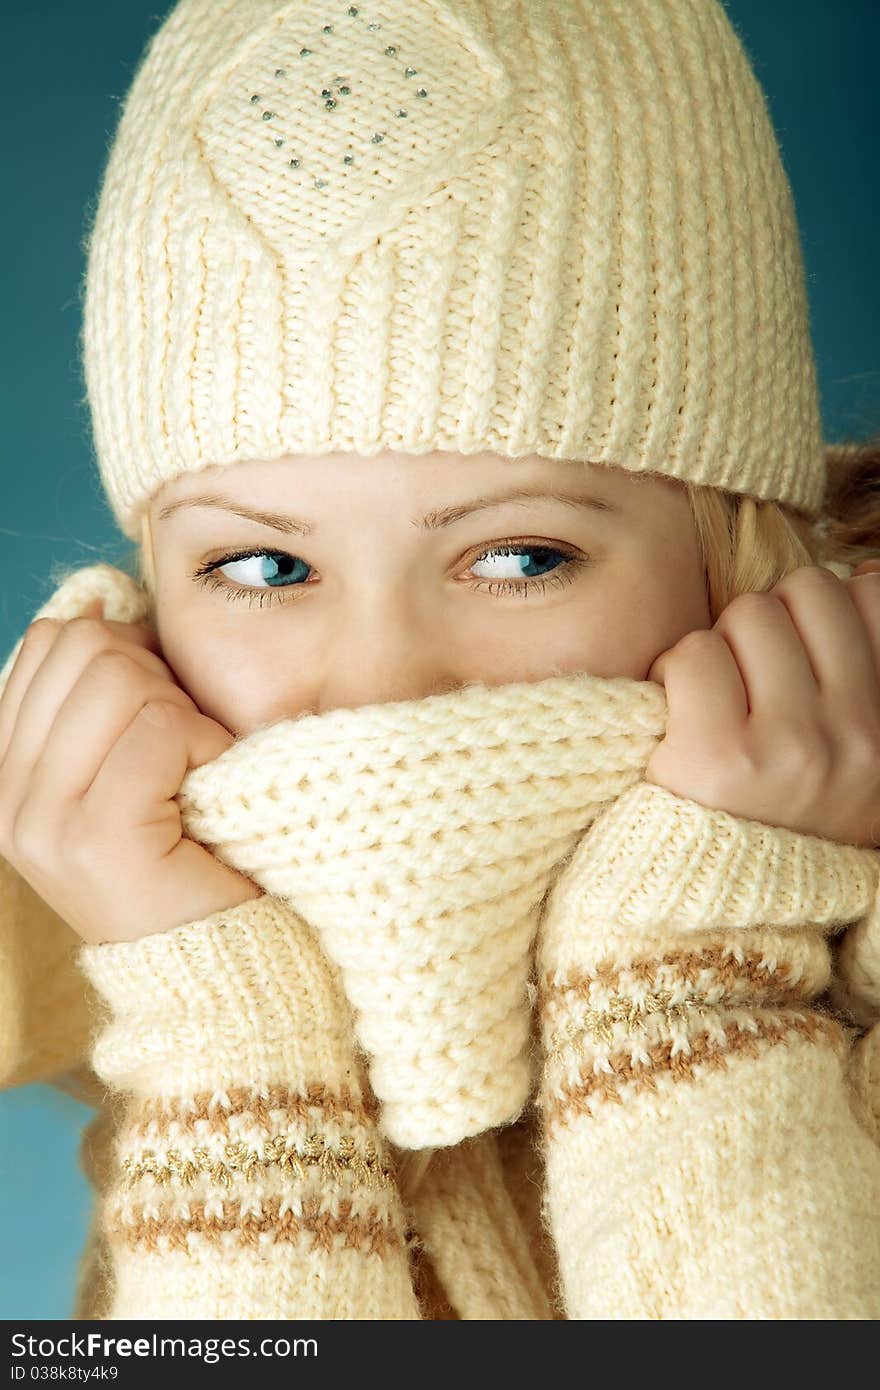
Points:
[(66, 70)]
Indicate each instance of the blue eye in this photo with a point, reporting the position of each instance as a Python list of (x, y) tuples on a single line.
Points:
[(279, 570), (537, 557), (276, 567)]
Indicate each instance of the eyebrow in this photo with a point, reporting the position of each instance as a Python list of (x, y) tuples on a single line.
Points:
[(432, 521)]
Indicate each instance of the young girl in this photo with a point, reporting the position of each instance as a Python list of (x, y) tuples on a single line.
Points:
[(454, 928)]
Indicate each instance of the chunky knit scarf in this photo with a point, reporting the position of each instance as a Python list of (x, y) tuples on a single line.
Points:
[(421, 841)]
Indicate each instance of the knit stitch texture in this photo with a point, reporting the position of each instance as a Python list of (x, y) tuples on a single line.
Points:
[(554, 227)]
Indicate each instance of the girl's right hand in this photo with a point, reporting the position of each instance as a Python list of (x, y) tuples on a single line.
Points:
[(96, 737)]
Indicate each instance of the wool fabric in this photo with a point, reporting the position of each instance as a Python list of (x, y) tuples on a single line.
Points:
[(553, 227), (482, 932)]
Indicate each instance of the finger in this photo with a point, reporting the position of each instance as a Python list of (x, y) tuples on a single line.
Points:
[(146, 765), (51, 662), (832, 633), (102, 704), (35, 644), (704, 689), (769, 652), (864, 592), (866, 567), (40, 638), (141, 634)]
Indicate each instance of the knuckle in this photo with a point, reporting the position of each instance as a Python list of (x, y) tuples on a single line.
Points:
[(40, 630), (82, 634), (863, 743), (28, 838), (819, 574), (157, 712), (114, 659), (808, 576), (83, 624), (809, 580), (864, 590), (117, 666), (695, 642), (749, 604), (127, 671), (85, 631)]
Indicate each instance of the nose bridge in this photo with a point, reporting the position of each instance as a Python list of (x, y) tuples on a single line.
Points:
[(383, 650)]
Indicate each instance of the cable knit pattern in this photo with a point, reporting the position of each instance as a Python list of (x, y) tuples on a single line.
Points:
[(266, 1070)]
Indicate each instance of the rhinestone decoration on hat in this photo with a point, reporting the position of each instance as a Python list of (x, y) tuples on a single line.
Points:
[(295, 130)]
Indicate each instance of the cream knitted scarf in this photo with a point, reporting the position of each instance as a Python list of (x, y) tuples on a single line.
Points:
[(419, 839)]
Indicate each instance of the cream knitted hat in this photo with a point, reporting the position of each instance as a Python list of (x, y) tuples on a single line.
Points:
[(555, 227)]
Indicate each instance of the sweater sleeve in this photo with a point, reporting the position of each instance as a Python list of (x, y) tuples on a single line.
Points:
[(703, 1152), (248, 1178), (45, 1003)]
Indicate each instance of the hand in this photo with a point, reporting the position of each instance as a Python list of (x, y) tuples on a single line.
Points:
[(95, 739), (774, 713)]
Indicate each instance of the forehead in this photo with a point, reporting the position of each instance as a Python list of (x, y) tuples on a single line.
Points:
[(236, 479)]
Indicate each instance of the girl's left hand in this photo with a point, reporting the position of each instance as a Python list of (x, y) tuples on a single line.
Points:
[(774, 713)]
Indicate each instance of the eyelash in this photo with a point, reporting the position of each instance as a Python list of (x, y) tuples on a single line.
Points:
[(563, 574)]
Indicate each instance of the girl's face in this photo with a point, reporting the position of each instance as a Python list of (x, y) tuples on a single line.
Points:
[(402, 576)]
